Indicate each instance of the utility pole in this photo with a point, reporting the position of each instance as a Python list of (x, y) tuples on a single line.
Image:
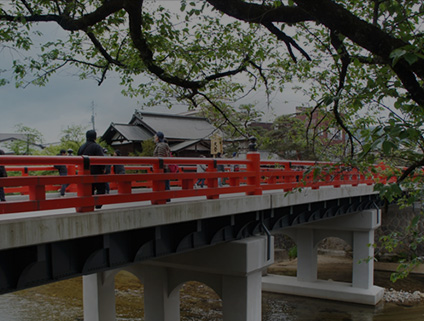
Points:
[(92, 115)]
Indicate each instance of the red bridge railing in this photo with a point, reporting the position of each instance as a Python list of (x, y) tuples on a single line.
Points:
[(145, 179)]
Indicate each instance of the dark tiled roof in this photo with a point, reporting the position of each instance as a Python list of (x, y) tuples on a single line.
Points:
[(183, 145), (131, 132), (177, 126)]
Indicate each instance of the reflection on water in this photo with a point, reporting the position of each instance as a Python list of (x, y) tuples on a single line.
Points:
[(276, 307), (291, 308)]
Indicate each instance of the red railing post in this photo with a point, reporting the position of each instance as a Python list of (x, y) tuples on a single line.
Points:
[(37, 193), (354, 176), (158, 185), (294, 176), (235, 181), (124, 187), (72, 170), (85, 190), (212, 182), (25, 189), (187, 183), (337, 176), (254, 166)]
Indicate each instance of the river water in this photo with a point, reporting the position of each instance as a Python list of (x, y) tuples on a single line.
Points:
[(276, 307), (291, 308)]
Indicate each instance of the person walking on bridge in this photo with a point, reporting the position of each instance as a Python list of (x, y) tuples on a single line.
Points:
[(91, 148), (220, 168), (201, 168), (162, 150), (3, 173), (63, 171)]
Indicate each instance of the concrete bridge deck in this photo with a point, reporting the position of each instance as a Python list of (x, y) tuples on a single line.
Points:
[(40, 227)]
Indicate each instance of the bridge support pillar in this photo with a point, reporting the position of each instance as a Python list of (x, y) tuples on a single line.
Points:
[(233, 270), (241, 297), (160, 302), (307, 263), (356, 229), (99, 297), (362, 269)]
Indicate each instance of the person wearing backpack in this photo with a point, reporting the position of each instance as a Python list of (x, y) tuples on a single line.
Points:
[(91, 148)]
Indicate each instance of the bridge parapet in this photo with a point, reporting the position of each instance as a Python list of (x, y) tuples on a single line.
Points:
[(146, 176)]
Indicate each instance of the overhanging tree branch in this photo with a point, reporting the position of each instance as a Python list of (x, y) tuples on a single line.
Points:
[(407, 172), (261, 13), (345, 59), (222, 113), (69, 23), (287, 40), (134, 9), (370, 37), (102, 50)]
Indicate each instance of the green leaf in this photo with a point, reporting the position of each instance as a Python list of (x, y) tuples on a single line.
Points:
[(410, 58), (388, 147)]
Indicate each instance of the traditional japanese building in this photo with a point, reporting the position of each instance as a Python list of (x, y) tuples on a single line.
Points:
[(187, 136)]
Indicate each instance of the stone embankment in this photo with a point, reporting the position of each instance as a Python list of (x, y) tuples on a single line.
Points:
[(403, 297), (409, 293)]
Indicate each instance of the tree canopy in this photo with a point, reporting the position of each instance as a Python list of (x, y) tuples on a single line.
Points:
[(360, 61)]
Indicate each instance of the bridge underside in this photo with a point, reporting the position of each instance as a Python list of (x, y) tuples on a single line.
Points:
[(43, 250)]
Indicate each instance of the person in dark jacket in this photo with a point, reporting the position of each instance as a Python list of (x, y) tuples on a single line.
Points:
[(108, 170), (63, 171), (91, 148), (3, 173)]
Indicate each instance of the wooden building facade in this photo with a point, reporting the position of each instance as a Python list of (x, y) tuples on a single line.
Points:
[(187, 136)]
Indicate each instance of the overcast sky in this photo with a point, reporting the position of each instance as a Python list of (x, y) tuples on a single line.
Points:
[(66, 100), (63, 102)]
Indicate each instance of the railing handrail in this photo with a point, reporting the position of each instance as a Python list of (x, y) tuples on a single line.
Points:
[(253, 177)]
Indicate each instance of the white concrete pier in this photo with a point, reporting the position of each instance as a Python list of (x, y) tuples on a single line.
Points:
[(357, 230), (233, 270)]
